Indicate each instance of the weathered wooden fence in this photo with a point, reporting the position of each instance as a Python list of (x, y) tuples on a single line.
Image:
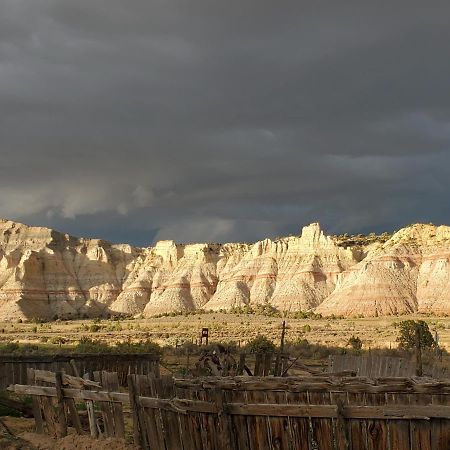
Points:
[(313, 413), (375, 366), (372, 366), (13, 369)]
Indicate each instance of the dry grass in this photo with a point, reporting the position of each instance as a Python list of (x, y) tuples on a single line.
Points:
[(237, 328)]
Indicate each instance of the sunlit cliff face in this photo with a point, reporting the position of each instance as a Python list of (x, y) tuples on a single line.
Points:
[(47, 274)]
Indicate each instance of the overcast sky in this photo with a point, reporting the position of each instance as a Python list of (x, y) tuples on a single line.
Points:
[(203, 120)]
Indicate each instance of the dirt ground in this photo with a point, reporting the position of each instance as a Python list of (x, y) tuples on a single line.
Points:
[(17, 434)]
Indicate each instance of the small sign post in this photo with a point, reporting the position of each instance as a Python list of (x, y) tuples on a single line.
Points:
[(205, 336)]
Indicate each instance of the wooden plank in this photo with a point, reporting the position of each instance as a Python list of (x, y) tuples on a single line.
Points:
[(377, 429), (299, 426), (67, 380), (239, 431), (171, 424), (440, 428), (106, 407), (186, 430), (49, 415), (223, 422), (93, 429), (35, 404), (190, 427), (420, 429), (155, 430), (399, 436), (356, 429), (139, 432), (322, 428), (279, 427), (259, 365), (119, 424), (208, 424), (341, 439), (73, 414), (280, 410), (326, 383), (257, 425), (267, 364)]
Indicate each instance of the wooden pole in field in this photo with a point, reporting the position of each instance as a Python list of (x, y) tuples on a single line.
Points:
[(419, 368), (278, 370)]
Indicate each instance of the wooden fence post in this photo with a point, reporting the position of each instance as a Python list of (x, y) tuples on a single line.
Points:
[(61, 424), (258, 365), (241, 365), (91, 414), (278, 363), (268, 357), (139, 431), (35, 403), (224, 421)]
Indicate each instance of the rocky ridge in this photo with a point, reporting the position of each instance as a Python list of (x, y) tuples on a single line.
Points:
[(47, 274)]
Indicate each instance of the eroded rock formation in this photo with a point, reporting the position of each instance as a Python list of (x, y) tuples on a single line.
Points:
[(47, 274)]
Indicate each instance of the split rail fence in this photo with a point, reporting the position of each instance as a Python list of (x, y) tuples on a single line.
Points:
[(310, 413)]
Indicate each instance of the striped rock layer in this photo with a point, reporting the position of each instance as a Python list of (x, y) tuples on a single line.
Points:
[(47, 274)]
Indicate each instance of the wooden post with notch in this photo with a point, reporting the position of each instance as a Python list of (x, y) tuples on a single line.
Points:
[(278, 364)]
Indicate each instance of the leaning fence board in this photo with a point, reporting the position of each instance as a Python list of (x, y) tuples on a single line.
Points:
[(36, 404)]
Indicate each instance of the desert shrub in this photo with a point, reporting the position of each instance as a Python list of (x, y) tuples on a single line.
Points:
[(407, 334), (88, 345), (57, 340), (14, 348), (94, 328), (302, 315), (145, 346), (260, 344), (355, 343)]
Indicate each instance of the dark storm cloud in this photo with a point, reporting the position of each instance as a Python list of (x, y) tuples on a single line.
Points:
[(200, 120)]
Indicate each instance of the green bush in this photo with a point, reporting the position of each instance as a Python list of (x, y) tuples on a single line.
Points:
[(407, 334), (146, 346), (88, 345), (261, 344), (355, 343)]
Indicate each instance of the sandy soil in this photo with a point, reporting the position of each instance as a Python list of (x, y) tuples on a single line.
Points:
[(17, 434), (74, 442)]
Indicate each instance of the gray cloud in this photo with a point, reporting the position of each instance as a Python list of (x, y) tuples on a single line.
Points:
[(223, 120)]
